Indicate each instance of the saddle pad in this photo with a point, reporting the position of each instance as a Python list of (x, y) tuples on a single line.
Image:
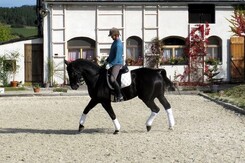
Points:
[(126, 79)]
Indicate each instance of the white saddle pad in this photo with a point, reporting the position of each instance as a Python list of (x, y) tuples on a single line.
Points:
[(126, 79)]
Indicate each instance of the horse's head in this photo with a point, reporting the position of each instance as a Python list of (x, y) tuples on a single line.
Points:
[(74, 75)]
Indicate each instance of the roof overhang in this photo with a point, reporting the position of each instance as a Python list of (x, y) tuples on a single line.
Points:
[(146, 2)]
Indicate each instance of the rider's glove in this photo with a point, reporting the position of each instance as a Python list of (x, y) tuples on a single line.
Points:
[(107, 66)]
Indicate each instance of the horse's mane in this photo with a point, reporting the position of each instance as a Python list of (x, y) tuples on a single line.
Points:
[(86, 63)]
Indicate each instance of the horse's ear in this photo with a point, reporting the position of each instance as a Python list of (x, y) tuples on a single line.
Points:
[(67, 62)]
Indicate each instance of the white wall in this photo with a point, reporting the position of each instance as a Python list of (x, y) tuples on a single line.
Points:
[(133, 22), (80, 21), (221, 29), (173, 22)]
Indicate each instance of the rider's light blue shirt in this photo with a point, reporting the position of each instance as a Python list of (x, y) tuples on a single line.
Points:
[(116, 53)]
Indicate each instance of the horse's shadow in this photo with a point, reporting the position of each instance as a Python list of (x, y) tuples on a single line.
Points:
[(53, 132), (62, 132)]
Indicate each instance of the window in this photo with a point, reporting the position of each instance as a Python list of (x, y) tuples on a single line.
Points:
[(214, 52), (201, 13), (9, 65), (81, 47), (134, 55), (173, 52), (74, 54)]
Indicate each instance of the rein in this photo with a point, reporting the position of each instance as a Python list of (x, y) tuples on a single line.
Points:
[(81, 79)]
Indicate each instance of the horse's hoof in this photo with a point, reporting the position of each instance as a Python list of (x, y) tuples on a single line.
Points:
[(148, 128), (116, 132), (81, 127), (171, 128)]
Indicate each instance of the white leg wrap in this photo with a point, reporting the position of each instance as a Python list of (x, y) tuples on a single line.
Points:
[(116, 124), (82, 119), (170, 117), (151, 119)]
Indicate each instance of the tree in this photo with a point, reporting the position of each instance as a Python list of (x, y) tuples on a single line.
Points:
[(25, 15), (5, 33), (238, 20)]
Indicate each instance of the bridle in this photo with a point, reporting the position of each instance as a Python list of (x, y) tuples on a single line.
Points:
[(79, 78)]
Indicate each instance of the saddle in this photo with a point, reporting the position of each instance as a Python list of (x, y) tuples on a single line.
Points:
[(123, 78)]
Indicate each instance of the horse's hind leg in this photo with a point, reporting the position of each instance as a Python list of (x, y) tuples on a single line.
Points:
[(154, 111), (92, 103), (107, 106), (168, 109)]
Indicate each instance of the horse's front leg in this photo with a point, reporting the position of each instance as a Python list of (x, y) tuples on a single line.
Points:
[(92, 103), (107, 106)]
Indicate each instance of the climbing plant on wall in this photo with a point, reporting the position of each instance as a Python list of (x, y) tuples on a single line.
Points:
[(197, 41), (196, 51)]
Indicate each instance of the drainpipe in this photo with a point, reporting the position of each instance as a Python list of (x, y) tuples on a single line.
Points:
[(49, 36)]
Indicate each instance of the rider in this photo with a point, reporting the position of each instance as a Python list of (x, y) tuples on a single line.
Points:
[(115, 61)]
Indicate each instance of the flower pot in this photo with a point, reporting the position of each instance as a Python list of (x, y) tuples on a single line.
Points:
[(47, 85), (36, 90), (214, 88), (1, 90), (14, 83)]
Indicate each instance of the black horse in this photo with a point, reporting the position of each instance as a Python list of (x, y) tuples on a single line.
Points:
[(147, 84)]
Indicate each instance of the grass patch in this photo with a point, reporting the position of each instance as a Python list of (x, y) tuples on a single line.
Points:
[(234, 95), (14, 88), (25, 32), (60, 90)]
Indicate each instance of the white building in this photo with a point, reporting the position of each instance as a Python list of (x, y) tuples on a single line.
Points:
[(79, 29)]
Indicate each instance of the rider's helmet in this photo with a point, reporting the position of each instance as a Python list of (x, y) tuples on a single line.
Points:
[(114, 31)]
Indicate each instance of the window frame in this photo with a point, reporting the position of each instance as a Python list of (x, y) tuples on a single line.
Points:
[(80, 51), (218, 46), (136, 61), (173, 59), (85, 44), (9, 65)]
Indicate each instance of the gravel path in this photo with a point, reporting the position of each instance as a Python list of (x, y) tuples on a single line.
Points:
[(44, 129)]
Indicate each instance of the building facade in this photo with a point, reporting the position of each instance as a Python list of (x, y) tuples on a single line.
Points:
[(79, 29)]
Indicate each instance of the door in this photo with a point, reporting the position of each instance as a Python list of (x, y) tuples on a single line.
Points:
[(34, 63), (237, 59)]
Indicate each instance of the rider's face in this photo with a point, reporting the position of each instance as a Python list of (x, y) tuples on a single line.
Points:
[(113, 37)]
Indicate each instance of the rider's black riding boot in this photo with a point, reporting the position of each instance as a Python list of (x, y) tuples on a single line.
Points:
[(117, 88)]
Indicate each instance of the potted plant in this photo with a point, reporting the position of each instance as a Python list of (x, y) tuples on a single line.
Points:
[(11, 65), (50, 66), (153, 59), (36, 88), (3, 72), (211, 71)]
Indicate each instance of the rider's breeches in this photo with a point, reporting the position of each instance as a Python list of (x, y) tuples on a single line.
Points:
[(114, 74)]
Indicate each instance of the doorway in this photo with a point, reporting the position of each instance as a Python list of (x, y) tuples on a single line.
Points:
[(34, 63)]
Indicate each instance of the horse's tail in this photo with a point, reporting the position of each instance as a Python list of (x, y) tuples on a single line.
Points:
[(168, 82)]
